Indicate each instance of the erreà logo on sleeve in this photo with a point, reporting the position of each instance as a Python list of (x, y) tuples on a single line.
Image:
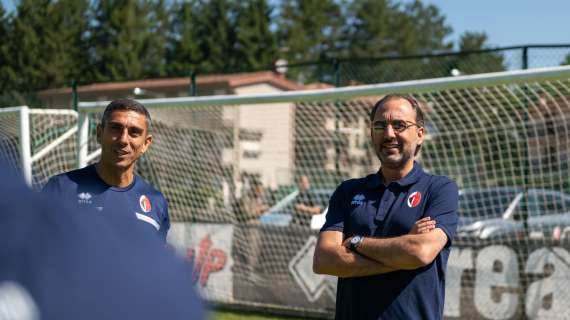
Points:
[(414, 199)]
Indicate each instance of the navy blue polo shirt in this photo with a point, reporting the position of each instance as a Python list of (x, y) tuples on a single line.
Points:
[(367, 207), (138, 202)]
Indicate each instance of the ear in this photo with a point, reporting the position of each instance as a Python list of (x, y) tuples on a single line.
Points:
[(99, 133), (147, 143), (421, 134)]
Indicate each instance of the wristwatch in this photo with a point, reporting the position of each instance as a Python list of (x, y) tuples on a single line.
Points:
[(355, 242)]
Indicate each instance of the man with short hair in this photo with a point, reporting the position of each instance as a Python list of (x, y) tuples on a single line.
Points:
[(111, 183), (387, 236)]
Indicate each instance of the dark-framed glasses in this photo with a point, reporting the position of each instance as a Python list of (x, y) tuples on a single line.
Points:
[(397, 125)]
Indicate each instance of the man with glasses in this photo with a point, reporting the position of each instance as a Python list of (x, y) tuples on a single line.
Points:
[(387, 236)]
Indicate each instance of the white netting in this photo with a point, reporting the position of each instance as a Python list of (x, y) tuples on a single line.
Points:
[(10, 137), (503, 138), (52, 141)]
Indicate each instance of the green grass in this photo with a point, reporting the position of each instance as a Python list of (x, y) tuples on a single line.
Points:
[(227, 315)]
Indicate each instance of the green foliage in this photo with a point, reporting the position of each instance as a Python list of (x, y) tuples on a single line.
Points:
[(128, 39), (566, 60), (256, 44), (384, 28), (45, 43), (480, 62), (183, 52), (310, 30), (49, 43)]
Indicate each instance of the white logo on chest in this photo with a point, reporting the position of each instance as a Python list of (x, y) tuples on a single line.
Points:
[(358, 199), (84, 198)]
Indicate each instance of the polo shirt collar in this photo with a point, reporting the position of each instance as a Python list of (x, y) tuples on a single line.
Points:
[(375, 181)]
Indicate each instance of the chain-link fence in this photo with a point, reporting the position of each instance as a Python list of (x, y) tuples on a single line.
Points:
[(345, 72)]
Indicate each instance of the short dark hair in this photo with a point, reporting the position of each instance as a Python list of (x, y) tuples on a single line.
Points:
[(413, 102), (125, 105)]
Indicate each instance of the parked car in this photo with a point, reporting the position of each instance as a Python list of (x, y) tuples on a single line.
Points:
[(487, 213), (282, 212)]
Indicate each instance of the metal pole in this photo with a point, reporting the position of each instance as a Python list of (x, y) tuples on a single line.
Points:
[(525, 58), (82, 129), (193, 87), (337, 137), (526, 184), (25, 148)]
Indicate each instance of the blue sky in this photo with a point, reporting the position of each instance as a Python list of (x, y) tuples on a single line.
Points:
[(509, 22)]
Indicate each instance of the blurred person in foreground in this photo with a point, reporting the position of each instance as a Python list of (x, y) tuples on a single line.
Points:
[(60, 261), (124, 136), (387, 236)]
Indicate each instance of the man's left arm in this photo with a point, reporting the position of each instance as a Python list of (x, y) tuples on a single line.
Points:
[(412, 251)]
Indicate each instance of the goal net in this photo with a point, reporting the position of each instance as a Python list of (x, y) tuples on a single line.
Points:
[(503, 137), (40, 142)]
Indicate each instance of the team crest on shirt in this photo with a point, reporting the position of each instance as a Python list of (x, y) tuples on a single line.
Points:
[(145, 203), (414, 199)]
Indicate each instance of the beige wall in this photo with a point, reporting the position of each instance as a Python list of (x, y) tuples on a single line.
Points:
[(275, 123)]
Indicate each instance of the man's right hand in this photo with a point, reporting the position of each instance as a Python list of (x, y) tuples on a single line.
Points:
[(424, 225)]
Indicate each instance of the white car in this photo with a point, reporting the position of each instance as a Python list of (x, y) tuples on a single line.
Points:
[(282, 212), (500, 212)]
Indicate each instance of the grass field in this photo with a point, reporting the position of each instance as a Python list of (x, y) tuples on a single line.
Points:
[(227, 315)]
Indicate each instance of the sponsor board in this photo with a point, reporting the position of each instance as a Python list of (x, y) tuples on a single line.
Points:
[(497, 282), (208, 248), (491, 282), (301, 267)]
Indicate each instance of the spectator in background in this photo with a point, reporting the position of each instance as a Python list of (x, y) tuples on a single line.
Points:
[(252, 204), (305, 204)]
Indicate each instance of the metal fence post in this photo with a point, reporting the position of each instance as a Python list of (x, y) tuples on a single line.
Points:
[(193, 87), (82, 129), (337, 137)]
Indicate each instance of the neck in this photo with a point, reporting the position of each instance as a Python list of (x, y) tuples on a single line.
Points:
[(114, 176), (395, 174)]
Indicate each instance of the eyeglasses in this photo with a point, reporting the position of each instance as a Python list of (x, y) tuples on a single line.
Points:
[(398, 125)]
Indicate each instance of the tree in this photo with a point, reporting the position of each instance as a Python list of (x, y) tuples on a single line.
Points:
[(422, 30), (46, 43), (380, 28), (384, 28), (310, 30), (368, 33), (479, 62), (128, 39), (216, 35), (183, 51), (4, 54), (66, 46), (566, 60), (256, 44)]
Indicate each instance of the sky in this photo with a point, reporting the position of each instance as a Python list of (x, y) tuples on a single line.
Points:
[(509, 22)]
